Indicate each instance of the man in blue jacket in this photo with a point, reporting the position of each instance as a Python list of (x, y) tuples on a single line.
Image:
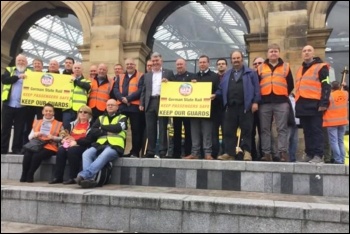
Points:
[(240, 92)]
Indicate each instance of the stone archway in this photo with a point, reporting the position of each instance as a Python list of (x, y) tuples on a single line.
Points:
[(13, 14), (145, 13), (318, 13)]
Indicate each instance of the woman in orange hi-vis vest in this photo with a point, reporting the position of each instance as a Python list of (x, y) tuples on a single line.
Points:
[(335, 120), (44, 129)]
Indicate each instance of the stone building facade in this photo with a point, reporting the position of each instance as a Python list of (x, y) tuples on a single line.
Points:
[(113, 31)]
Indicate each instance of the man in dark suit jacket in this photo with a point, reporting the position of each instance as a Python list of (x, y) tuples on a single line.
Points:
[(149, 102)]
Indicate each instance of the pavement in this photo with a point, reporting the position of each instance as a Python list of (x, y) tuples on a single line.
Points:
[(12, 227)]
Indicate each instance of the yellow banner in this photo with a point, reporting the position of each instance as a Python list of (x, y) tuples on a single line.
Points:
[(185, 99), (40, 88)]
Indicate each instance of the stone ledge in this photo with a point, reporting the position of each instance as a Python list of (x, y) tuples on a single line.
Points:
[(301, 168), (190, 203)]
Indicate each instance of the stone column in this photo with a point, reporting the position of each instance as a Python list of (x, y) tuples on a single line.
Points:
[(107, 34), (288, 27), (318, 39), (256, 46), (138, 51)]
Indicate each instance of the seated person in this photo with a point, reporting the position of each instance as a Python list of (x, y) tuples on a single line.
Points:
[(44, 129), (73, 147), (110, 131)]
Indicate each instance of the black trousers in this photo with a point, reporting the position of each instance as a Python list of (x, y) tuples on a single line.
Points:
[(313, 134), (16, 117), (151, 127), (74, 156), (178, 121), (137, 130), (217, 122), (32, 161), (234, 117), (31, 111)]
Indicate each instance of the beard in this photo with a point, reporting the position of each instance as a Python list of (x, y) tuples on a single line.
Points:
[(21, 68)]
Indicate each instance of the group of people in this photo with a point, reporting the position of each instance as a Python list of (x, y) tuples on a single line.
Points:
[(243, 98)]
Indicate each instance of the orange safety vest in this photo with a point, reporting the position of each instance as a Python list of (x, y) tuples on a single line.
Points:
[(99, 95), (337, 112), (273, 82), (133, 86), (309, 85), (54, 131)]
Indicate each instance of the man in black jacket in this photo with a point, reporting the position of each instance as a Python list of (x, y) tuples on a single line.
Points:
[(202, 128), (312, 99), (149, 103), (110, 132)]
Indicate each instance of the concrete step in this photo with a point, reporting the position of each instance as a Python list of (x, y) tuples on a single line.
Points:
[(268, 177), (163, 209)]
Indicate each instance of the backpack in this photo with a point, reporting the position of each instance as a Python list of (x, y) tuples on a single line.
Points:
[(104, 175)]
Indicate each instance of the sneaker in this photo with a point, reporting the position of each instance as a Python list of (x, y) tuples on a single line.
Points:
[(247, 156), (305, 158), (133, 156), (225, 157), (88, 183), (266, 157), (316, 159)]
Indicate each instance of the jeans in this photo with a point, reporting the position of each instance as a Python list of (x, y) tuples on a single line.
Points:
[(93, 163), (293, 142), (336, 141)]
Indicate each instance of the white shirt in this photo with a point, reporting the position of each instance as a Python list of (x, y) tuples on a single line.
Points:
[(156, 82)]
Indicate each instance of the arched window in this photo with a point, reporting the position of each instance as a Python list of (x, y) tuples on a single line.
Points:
[(53, 37), (337, 49), (197, 28)]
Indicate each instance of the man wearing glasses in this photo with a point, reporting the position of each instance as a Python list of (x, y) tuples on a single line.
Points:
[(110, 131), (257, 62), (127, 91)]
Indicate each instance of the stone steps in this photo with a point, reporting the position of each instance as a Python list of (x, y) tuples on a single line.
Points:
[(164, 209), (267, 177)]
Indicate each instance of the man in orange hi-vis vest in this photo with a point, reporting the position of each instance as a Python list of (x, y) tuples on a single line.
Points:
[(100, 90), (127, 91), (335, 120), (276, 83), (312, 98)]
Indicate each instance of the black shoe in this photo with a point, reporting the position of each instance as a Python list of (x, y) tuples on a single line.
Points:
[(56, 181), (276, 159), (126, 155), (23, 179), (70, 181), (149, 156), (88, 183), (30, 180), (16, 151), (78, 179)]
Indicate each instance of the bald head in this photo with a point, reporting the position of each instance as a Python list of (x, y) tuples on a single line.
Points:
[(102, 71), (112, 106), (77, 69), (181, 67), (308, 53)]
